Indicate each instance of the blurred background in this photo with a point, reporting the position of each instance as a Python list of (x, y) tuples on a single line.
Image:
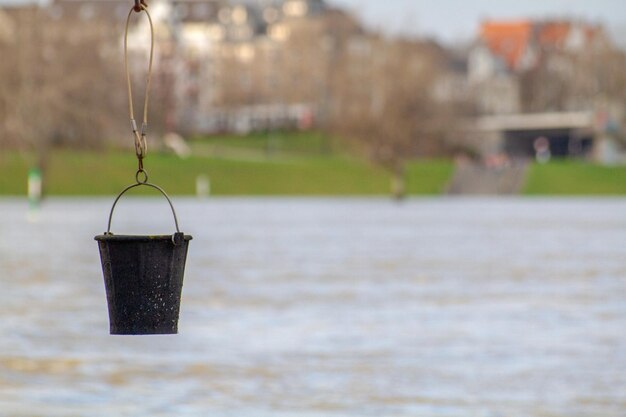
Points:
[(417, 98), (313, 147)]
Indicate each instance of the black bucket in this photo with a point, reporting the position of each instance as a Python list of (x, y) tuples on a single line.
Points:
[(143, 276)]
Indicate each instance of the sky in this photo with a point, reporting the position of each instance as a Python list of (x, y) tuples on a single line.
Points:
[(452, 21)]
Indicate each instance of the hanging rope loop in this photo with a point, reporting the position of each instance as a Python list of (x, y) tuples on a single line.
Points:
[(141, 143)]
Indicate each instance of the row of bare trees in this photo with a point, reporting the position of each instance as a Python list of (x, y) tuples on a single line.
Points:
[(61, 79), (55, 84), (384, 103), (574, 80), (377, 94)]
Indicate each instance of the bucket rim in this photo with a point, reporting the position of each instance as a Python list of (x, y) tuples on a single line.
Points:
[(137, 238)]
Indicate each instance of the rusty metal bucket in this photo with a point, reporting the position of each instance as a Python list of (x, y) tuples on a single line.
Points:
[(143, 277)]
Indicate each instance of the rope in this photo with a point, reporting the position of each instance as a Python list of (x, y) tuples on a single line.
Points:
[(141, 144)]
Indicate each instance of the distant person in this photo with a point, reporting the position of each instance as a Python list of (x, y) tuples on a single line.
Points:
[(542, 150)]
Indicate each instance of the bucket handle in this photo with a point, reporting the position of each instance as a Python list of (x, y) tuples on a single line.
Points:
[(139, 184)]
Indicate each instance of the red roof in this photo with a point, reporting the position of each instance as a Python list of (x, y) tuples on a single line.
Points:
[(554, 34), (507, 40)]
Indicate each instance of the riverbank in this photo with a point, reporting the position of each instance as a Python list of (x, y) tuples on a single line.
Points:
[(94, 173), (281, 164), (575, 178)]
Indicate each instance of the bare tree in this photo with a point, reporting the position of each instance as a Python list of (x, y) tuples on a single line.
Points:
[(566, 80), (383, 102), (55, 84)]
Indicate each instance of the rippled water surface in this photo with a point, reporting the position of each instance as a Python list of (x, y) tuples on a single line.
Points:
[(313, 307)]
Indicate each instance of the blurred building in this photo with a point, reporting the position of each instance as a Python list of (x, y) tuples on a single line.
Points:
[(545, 79), (222, 65), (228, 63), (506, 50)]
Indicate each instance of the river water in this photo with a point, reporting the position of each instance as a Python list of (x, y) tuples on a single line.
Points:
[(325, 307)]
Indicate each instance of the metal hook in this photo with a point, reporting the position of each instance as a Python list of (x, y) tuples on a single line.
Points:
[(139, 5)]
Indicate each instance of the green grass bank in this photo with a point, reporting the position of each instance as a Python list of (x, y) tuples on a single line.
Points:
[(72, 173), (281, 164), (575, 178)]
